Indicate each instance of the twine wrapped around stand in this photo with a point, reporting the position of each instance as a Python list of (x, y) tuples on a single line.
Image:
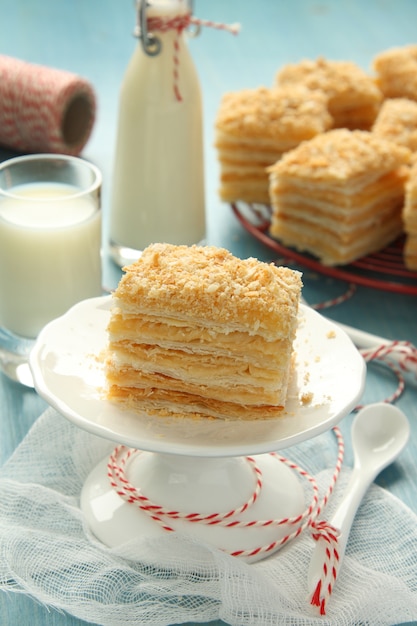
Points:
[(44, 109)]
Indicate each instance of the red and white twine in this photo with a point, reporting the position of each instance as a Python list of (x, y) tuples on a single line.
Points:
[(178, 24), (400, 357), (321, 530), (346, 295)]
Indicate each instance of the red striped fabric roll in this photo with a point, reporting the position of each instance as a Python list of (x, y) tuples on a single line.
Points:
[(44, 109)]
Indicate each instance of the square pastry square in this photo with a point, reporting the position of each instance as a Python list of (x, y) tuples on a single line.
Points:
[(410, 220), (196, 331), (255, 127), (353, 96), (396, 72), (339, 195), (397, 121)]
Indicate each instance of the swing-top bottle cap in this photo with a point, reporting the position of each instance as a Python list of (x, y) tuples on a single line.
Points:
[(148, 9)]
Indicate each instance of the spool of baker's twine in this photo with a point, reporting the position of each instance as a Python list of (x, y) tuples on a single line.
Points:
[(44, 109)]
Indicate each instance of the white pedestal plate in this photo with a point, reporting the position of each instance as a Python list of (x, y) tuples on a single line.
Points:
[(188, 465)]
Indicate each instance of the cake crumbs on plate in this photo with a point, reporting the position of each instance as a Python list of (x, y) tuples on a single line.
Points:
[(307, 398)]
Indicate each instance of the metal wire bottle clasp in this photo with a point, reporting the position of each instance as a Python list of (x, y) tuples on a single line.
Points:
[(152, 44)]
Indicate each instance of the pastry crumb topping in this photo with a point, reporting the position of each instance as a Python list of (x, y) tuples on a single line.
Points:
[(341, 154), (334, 78), (277, 113), (210, 283)]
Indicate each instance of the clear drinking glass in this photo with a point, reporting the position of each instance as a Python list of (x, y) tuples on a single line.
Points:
[(50, 248)]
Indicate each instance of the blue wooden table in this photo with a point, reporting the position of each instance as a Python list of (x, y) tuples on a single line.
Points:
[(94, 38)]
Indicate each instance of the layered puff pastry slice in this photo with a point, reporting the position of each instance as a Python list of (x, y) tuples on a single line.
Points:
[(396, 72), (410, 220), (340, 195), (194, 331), (397, 121), (255, 127), (353, 97)]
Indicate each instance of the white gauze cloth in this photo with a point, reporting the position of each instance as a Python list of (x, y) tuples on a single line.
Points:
[(46, 551)]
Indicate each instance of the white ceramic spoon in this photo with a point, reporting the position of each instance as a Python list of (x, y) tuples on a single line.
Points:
[(380, 432), (16, 367)]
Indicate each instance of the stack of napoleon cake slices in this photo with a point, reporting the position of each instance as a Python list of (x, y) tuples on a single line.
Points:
[(195, 331), (396, 71), (338, 197)]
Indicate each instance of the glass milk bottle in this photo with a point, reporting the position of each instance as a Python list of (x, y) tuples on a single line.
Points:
[(158, 177)]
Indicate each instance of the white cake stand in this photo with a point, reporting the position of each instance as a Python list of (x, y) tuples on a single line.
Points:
[(188, 465)]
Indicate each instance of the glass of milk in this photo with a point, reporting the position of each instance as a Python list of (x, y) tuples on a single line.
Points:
[(50, 247)]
